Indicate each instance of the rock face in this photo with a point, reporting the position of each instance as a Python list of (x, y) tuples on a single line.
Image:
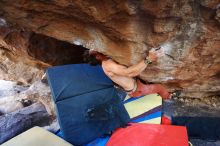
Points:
[(185, 32), (18, 68)]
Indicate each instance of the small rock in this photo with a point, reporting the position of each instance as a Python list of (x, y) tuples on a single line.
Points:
[(186, 100), (214, 105), (181, 99), (11, 106)]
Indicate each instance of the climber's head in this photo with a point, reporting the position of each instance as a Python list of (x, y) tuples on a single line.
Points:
[(93, 57)]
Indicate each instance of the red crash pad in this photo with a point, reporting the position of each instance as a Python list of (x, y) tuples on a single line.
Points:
[(149, 135)]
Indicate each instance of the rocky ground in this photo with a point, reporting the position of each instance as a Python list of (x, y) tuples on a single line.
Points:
[(211, 101), (31, 103), (15, 97)]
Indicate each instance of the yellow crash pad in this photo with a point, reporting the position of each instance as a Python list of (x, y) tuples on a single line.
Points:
[(146, 105), (36, 136)]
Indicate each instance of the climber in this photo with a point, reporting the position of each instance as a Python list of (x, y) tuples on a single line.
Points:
[(125, 76)]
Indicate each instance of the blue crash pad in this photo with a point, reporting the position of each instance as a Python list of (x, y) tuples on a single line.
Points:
[(87, 104)]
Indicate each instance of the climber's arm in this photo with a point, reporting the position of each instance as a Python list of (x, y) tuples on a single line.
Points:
[(112, 67)]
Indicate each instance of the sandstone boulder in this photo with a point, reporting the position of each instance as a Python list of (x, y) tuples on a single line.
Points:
[(187, 32)]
